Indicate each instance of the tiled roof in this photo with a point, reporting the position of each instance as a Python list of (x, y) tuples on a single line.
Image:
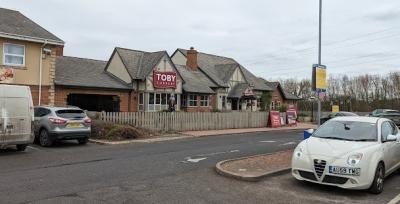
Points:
[(139, 63), (211, 63), (14, 23), (195, 81), (238, 90), (73, 71), (286, 95)]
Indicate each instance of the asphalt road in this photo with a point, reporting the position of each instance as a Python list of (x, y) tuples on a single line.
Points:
[(180, 171)]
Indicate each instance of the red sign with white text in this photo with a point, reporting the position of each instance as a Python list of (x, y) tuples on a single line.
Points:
[(275, 119), (164, 79)]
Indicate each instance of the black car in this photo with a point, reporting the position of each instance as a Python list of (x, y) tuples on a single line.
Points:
[(338, 114)]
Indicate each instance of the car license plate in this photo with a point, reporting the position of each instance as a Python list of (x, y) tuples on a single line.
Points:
[(74, 125), (344, 170)]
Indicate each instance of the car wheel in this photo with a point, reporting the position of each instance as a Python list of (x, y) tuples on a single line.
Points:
[(377, 184), (83, 141), (21, 147), (44, 139)]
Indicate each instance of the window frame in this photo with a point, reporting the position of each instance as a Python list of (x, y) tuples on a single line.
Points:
[(15, 55), (207, 101), (190, 100)]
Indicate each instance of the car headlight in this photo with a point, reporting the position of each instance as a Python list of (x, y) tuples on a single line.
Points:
[(354, 159), (298, 153)]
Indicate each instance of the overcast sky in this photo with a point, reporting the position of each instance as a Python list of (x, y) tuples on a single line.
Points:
[(272, 38)]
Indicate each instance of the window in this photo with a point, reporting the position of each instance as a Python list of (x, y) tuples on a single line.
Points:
[(272, 105), (386, 131), (160, 101), (184, 100), (204, 101), (40, 112), (141, 101), (192, 100), (13, 54)]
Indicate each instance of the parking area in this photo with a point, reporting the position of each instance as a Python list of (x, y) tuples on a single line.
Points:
[(180, 171)]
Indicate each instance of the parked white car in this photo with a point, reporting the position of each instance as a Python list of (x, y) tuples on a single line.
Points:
[(349, 152)]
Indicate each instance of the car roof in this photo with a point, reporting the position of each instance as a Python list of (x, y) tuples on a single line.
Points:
[(59, 107), (358, 119)]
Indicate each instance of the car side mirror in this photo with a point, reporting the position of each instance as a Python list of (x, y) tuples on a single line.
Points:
[(392, 138)]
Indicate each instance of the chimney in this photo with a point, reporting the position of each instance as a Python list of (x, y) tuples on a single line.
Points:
[(191, 59)]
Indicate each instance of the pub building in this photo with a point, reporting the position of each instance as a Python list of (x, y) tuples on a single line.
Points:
[(133, 80)]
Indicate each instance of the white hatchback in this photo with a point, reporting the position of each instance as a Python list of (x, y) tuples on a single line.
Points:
[(349, 152)]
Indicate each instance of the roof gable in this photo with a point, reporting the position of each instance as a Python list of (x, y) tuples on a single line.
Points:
[(139, 63), (14, 24)]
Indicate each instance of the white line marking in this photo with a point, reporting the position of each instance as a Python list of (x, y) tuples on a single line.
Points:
[(34, 148), (217, 153), (195, 160), (267, 141), (395, 200), (287, 143)]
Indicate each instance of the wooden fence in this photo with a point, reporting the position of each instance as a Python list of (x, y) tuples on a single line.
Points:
[(184, 121)]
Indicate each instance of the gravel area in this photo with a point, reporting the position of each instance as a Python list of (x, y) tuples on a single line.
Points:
[(260, 164)]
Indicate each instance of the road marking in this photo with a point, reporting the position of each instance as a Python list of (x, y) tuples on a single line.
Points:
[(395, 200), (287, 143), (34, 148), (267, 141), (201, 157), (188, 159), (217, 153)]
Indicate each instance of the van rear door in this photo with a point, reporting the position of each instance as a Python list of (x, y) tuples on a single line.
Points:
[(16, 116)]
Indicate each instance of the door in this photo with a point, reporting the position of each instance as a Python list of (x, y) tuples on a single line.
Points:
[(17, 120), (395, 131), (389, 147)]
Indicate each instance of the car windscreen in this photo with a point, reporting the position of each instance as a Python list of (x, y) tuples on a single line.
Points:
[(348, 130), (70, 113), (348, 114)]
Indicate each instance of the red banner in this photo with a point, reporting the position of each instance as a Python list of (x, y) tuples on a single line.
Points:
[(164, 79), (275, 119)]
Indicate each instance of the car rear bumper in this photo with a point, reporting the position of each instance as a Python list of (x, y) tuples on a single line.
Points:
[(69, 135)]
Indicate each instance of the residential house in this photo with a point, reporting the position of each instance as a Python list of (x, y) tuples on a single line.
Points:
[(27, 55)]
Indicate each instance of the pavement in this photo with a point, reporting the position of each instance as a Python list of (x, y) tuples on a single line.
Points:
[(178, 171)]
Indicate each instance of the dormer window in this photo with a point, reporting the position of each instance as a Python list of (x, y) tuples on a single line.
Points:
[(13, 54)]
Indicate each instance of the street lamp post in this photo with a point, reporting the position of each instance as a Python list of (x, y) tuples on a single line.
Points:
[(319, 59)]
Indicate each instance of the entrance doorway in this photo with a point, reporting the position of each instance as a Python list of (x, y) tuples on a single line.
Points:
[(94, 102)]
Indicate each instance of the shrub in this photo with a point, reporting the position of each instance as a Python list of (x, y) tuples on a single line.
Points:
[(111, 131)]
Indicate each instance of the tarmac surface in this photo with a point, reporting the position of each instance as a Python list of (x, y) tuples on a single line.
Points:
[(178, 171)]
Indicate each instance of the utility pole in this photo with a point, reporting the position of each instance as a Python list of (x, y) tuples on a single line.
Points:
[(319, 59)]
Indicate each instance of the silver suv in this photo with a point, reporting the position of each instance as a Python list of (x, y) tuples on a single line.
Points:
[(61, 123)]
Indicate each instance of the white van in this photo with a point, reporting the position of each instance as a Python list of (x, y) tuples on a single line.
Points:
[(16, 116)]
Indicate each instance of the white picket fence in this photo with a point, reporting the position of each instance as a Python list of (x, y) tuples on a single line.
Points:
[(184, 121)]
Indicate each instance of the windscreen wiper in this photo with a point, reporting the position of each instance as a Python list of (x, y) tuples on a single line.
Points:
[(337, 138)]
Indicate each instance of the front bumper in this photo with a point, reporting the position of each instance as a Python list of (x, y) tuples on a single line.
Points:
[(303, 168)]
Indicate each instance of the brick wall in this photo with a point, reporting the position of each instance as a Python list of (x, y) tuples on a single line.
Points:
[(35, 95), (61, 94)]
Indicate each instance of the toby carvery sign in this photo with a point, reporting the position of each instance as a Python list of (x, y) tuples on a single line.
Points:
[(164, 79)]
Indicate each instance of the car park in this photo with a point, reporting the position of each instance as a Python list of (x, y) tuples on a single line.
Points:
[(16, 116), (334, 115), (393, 115), (61, 123), (380, 112), (349, 152)]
